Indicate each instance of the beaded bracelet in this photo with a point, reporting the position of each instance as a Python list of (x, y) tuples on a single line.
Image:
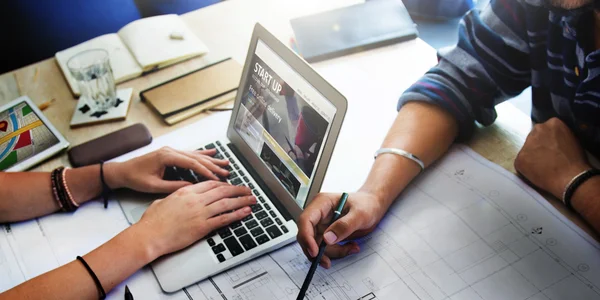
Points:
[(62, 195), (66, 188), (61, 192)]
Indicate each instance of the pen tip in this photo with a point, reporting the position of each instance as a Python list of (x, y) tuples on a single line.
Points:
[(127, 289)]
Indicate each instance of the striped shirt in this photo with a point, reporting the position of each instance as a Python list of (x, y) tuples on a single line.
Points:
[(509, 46)]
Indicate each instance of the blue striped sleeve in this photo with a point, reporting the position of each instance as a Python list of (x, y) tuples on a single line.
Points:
[(489, 64)]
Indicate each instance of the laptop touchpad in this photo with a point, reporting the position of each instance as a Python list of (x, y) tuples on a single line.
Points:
[(137, 212)]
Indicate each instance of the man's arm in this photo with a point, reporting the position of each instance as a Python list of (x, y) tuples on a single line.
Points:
[(489, 65), (551, 158), (420, 128)]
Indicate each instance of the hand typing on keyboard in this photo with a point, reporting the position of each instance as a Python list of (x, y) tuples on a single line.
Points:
[(191, 213), (149, 173)]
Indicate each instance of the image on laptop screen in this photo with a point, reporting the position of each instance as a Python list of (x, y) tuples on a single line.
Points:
[(285, 121)]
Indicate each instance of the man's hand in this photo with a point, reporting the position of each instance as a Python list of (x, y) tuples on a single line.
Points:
[(145, 173), (361, 214), (551, 157)]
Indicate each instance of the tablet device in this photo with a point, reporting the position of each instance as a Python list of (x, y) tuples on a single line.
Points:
[(352, 29), (26, 136)]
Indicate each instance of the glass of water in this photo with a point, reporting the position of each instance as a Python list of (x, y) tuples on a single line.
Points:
[(91, 69)]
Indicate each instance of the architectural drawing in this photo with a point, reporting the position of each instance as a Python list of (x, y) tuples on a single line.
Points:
[(465, 230)]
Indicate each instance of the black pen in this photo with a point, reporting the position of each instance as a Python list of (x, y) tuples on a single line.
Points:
[(313, 267), (128, 295)]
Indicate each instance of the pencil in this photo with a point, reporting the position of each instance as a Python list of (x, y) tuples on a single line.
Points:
[(46, 104), (128, 295)]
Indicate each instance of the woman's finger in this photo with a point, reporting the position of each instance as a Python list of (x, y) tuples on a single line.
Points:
[(183, 161), (228, 218), (157, 185), (208, 162), (229, 204), (203, 187), (209, 152), (225, 191), (218, 162)]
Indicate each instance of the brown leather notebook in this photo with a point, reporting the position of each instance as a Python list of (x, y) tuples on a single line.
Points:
[(194, 92)]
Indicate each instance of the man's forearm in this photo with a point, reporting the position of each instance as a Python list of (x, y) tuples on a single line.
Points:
[(422, 129), (586, 201)]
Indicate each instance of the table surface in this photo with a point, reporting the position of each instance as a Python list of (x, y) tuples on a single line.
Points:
[(372, 81)]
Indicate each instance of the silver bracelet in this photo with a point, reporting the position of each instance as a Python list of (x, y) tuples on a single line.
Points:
[(402, 153)]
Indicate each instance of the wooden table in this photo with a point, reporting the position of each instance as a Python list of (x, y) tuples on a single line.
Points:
[(372, 80), (225, 28)]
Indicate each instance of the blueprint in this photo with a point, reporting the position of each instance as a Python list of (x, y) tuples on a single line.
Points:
[(464, 230)]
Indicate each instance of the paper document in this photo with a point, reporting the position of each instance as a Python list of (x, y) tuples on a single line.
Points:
[(466, 229)]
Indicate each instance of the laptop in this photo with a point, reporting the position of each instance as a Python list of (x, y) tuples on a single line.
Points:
[(283, 128)]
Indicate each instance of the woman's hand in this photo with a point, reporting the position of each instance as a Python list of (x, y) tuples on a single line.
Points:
[(168, 225), (145, 173), (360, 216), (192, 212)]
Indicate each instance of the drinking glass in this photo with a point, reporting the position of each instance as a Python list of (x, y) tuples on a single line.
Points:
[(91, 69)]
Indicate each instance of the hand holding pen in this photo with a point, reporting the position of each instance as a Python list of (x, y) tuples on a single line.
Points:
[(336, 215), (362, 213)]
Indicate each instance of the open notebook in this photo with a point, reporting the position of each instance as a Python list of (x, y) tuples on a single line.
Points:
[(139, 47)]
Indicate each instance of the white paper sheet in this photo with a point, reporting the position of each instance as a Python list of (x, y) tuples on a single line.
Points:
[(466, 229)]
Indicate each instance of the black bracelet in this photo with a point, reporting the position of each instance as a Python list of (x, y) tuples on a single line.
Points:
[(575, 183), (105, 188), (94, 277), (64, 197), (54, 185), (60, 191)]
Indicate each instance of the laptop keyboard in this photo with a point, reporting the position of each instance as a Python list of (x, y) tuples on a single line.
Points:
[(262, 225)]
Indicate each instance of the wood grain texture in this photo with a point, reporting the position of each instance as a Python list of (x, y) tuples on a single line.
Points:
[(9, 89), (225, 28)]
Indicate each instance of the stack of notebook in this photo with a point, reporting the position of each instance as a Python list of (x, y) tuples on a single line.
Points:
[(195, 92)]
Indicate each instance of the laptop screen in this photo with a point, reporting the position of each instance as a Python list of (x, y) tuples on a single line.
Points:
[(284, 120)]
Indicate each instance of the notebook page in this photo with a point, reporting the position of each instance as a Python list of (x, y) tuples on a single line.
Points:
[(123, 64), (150, 42)]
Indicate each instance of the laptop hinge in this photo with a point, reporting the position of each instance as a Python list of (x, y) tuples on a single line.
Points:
[(284, 212)]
